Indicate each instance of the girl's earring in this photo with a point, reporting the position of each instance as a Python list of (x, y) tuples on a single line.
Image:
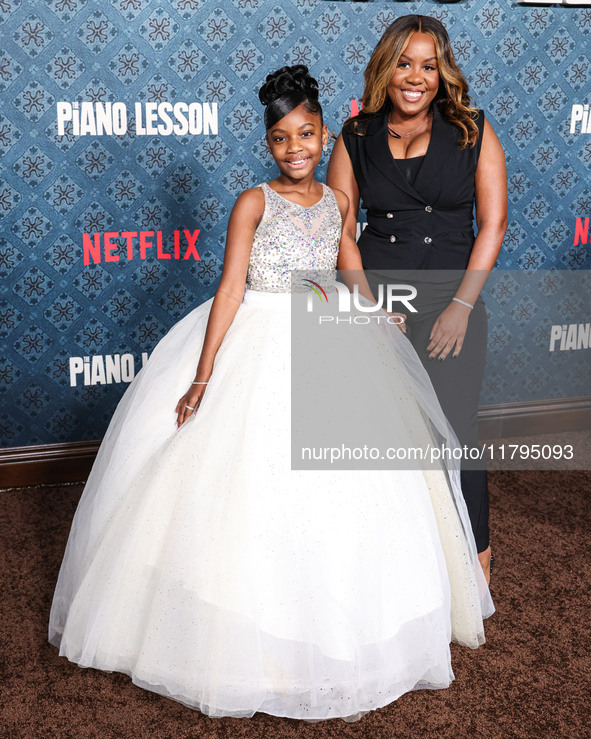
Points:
[(325, 148)]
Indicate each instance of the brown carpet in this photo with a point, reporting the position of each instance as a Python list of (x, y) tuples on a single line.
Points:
[(531, 678)]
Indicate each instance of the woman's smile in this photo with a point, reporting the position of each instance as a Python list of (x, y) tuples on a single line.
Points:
[(412, 96), (415, 82)]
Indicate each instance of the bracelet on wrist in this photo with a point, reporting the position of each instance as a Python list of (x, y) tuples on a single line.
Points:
[(463, 302), (199, 383)]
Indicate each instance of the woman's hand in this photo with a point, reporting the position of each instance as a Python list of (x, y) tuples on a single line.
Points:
[(189, 403), (448, 331)]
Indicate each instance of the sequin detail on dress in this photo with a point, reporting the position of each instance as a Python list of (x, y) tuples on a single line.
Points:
[(293, 237)]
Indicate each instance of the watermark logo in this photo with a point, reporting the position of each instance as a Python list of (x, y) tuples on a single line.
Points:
[(317, 290), (390, 298)]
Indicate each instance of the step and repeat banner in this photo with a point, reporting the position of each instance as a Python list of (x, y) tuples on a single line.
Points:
[(128, 128)]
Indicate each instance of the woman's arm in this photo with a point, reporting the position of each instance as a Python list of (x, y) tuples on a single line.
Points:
[(491, 213), (491, 217), (245, 217)]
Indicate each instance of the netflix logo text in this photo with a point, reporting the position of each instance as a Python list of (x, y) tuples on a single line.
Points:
[(111, 246), (581, 231)]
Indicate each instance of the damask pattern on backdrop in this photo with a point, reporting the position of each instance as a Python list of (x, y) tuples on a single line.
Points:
[(526, 67)]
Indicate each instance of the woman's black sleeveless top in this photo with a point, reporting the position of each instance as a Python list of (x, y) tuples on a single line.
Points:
[(424, 225)]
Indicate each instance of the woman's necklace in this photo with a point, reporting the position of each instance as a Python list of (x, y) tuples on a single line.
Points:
[(393, 132)]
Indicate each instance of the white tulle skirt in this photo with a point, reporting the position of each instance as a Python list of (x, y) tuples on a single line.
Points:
[(205, 568)]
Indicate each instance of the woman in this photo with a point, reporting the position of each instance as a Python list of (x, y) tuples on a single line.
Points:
[(421, 158)]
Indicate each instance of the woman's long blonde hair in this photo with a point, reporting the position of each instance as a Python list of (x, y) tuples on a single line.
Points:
[(452, 97)]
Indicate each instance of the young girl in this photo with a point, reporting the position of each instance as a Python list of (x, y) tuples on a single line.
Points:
[(199, 563)]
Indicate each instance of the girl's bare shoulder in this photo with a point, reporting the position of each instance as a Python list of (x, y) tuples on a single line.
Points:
[(251, 203)]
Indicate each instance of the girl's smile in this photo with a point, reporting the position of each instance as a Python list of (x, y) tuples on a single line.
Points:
[(297, 163)]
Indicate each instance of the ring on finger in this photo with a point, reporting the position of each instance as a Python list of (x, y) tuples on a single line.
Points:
[(190, 408)]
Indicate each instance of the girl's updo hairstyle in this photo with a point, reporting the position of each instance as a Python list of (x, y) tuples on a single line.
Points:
[(287, 88)]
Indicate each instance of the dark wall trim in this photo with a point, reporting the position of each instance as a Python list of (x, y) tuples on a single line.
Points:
[(534, 417), (71, 462), (34, 465)]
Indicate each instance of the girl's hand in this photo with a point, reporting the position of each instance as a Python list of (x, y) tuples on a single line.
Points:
[(448, 331), (189, 403), (400, 320)]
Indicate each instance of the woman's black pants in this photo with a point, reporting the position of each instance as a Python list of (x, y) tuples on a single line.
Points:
[(457, 384)]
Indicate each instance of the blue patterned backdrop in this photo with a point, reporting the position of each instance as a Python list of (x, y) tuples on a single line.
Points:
[(526, 67)]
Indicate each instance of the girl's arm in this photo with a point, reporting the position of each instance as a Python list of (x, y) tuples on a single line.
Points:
[(341, 179), (245, 217), (490, 178), (349, 260)]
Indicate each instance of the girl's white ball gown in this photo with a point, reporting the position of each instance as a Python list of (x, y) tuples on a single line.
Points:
[(200, 564)]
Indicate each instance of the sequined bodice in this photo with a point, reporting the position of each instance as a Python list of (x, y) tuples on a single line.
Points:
[(293, 237)]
